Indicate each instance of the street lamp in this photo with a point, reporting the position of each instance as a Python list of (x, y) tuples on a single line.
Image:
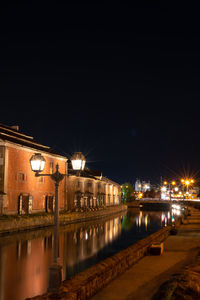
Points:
[(187, 182), (37, 162), (78, 161)]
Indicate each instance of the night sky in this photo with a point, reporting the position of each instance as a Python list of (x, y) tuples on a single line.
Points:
[(119, 83)]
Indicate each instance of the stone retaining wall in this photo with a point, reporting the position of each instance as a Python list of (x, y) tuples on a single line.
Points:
[(27, 222), (89, 282)]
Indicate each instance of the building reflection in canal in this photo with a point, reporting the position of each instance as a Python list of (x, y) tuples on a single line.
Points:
[(84, 244), (25, 257), (24, 262)]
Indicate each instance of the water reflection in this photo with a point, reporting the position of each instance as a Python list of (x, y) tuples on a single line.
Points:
[(25, 257), (85, 243)]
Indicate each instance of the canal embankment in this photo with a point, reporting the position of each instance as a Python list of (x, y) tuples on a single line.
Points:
[(173, 275), (185, 283), (10, 223), (87, 283)]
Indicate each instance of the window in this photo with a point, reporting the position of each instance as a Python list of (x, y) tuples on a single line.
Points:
[(21, 176), (51, 167), (78, 184)]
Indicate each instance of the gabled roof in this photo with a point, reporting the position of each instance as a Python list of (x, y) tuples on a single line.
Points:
[(11, 134)]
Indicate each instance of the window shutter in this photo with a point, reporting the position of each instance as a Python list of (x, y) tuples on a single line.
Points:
[(30, 204), (54, 203), (20, 205)]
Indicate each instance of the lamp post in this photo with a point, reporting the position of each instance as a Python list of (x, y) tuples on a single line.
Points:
[(78, 164), (37, 162), (170, 197), (186, 182)]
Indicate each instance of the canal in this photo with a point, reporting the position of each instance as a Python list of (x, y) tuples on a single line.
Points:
[(25, 257)]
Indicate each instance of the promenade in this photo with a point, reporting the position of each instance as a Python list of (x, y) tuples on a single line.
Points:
[(144, 278)]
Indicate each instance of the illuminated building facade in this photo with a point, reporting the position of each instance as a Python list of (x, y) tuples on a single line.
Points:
[(20, 191), (89, 189), (142, 186), (23, 193)]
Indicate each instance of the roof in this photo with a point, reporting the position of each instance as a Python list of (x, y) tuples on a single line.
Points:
[(93, 174), (11, 134), (109, 181), (85, 173)]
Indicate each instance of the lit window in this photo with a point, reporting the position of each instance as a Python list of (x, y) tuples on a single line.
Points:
[(51, 167)]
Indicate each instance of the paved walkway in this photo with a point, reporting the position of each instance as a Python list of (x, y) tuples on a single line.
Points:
[(143, 279)]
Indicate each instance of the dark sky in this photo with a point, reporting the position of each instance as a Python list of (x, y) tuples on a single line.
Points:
[(119, 83)]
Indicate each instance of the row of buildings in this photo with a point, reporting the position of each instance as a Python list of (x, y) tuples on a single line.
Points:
[(23, 193)]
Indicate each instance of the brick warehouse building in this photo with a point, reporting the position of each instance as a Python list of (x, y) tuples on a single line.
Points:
[(23, 193), (20, 191), (90, 189)]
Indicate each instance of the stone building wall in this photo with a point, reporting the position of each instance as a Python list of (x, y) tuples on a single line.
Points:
[(2, 164)]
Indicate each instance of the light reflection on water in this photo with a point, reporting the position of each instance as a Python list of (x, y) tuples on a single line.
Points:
[(25, 257)]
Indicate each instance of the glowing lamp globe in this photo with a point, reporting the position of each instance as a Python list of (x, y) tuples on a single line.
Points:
[(37, 162), (78, 161)]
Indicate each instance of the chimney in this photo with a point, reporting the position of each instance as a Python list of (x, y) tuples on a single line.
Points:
[(15, 127)]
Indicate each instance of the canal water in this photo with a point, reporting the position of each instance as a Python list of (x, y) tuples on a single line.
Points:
[(25, 257)]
